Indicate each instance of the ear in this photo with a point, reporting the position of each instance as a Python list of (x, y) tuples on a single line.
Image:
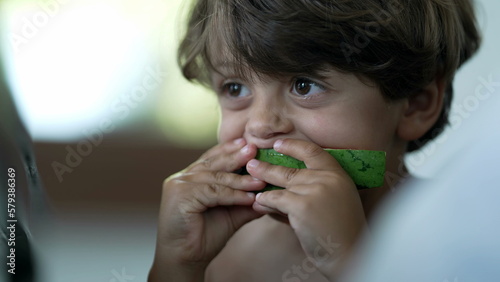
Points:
[(422, 110)]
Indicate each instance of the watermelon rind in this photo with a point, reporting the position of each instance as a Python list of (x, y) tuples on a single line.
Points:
[(365, 167)]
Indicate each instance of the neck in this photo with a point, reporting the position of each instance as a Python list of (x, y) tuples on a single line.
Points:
[(373, 197)]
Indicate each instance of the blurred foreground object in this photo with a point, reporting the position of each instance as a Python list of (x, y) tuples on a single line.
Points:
[(16, 155), (444, 230)]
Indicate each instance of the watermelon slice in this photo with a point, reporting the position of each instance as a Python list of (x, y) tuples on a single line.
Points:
[(365, 167)]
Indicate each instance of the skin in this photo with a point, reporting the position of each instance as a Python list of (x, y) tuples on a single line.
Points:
[(211, 229)]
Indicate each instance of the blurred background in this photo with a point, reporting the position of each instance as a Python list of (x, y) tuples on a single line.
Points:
[(97, 86)]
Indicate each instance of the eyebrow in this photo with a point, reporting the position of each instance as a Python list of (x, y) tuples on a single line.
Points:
[(231, 67)]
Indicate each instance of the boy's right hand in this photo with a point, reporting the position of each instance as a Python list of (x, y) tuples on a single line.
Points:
[(201, 208)]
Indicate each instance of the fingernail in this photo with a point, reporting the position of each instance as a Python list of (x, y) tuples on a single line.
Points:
[(245, 149), (253, 163), (258, 195), (250, 195), (277, 144), (239, 141), (255, 179)]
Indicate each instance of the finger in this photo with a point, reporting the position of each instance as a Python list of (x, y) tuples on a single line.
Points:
[(197, 198), (265, 209), (213, 195), (226, 147), (228, 161), (235, 181), (311, 154), (286, 177), (280, 201), (274, 174)]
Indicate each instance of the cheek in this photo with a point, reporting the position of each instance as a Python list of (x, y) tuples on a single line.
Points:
[(230, 127), (333, 132), (350, 130)]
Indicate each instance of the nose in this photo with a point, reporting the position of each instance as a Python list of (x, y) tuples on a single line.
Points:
[(268, 120)]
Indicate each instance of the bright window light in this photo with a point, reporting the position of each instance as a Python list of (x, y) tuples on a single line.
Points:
[(68, 63)]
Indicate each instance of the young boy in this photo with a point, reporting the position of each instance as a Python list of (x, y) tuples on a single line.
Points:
[(299, 76)]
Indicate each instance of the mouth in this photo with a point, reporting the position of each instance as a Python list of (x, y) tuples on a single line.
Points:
[(365, 167)]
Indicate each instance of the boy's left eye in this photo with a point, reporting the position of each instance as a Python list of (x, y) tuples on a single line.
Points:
[(303, 86)]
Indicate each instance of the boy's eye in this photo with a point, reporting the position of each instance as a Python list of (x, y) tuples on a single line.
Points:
[(304, 86), (235, 89)]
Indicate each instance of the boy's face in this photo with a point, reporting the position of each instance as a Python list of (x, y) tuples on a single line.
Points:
[(337, 111)]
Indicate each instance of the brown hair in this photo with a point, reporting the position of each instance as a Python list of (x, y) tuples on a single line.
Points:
[(402, 45)]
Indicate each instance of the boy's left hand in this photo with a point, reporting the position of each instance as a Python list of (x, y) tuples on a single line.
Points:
[(322, 202)]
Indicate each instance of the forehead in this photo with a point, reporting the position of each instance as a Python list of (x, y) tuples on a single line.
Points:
[(234, 46), (237, 46), (222, 60)]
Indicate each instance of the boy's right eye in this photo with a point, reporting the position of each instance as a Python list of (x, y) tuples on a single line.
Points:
[(234, 89)]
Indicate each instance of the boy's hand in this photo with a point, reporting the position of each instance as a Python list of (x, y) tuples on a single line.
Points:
[(201, 208), (321, 201)]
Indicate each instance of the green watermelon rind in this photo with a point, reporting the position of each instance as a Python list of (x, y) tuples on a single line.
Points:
[(365, 167)]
